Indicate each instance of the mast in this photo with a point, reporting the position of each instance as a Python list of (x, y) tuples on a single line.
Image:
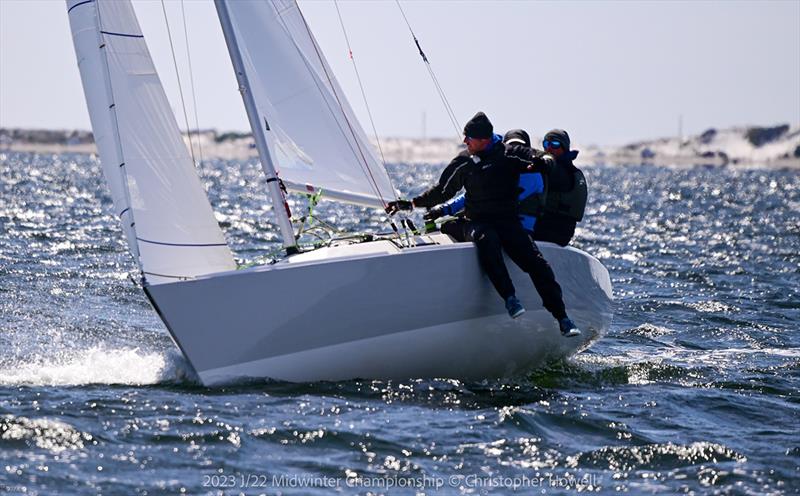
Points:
[(279, 205)]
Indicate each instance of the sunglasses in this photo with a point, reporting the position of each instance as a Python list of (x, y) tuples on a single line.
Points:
[(551, 144)]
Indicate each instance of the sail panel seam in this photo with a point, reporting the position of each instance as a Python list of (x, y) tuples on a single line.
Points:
[(78, 5), (124, 35), (186, 245)]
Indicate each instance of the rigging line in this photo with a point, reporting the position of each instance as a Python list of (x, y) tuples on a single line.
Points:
[(373, 186), (341, 106), (191, 81), (439, 89), (448, 107), (442, 95), (178, 76), (368, 173), (363, 93)]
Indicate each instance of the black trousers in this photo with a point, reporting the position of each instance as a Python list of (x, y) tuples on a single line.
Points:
[(494, 236)]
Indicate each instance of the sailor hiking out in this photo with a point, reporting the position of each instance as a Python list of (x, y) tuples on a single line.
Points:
[(489, 170), (531, 195)]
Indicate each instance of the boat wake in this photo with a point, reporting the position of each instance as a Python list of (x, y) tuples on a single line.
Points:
[(100, 365)]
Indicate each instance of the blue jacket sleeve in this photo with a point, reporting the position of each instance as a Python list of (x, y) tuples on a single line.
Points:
[(455, 205)]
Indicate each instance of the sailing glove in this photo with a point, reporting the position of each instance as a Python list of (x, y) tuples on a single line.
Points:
[(543, 163), (435, 212), (395, 206)]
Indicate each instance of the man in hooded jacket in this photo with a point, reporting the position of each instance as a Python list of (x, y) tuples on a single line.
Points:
[(565, 192)]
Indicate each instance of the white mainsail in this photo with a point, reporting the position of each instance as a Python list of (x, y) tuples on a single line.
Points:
[(163, 206), (313, 134)]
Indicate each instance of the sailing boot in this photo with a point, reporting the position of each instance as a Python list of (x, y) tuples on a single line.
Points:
[(568, 328), (514, 307)]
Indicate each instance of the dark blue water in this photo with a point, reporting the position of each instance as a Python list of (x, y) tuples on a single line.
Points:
[(695, 389)]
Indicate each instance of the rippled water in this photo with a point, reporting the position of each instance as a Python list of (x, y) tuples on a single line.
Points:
[(696, 388)]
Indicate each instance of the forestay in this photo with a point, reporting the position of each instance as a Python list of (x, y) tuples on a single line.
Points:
[(157, 194), (313, 135)]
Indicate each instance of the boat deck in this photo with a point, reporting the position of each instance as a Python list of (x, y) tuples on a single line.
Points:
[(376, 247)]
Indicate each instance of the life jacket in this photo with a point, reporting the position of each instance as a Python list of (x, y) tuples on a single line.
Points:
[(571, 204)]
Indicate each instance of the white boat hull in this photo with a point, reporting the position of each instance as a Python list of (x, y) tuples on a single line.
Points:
[(375, 311)]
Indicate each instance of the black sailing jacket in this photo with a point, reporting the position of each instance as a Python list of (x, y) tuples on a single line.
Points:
[(490, 178), (565, 203)]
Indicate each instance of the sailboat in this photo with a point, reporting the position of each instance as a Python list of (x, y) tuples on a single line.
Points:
[(382, 306)]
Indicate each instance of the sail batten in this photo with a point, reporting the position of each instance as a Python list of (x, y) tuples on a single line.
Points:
[(169, 224), (313, 134)]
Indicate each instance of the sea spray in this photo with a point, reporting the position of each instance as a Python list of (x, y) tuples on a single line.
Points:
[(99, 364)]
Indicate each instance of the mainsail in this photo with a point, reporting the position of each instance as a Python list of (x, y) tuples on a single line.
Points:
[(314, 137), (157, 194)]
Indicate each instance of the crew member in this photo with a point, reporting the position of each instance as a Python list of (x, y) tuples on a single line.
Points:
[(531, 195), (565, 192)]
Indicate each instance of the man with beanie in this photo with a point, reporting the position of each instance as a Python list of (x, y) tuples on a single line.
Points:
[(489, 172), (531, 195), (566, 192)]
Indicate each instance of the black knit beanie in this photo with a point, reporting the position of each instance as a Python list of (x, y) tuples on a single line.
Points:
[(479, 127)]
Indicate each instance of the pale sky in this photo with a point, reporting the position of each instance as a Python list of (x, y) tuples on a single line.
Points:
[(609, 72)]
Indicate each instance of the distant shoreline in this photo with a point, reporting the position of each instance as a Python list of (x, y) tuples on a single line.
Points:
[(772, 147)]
